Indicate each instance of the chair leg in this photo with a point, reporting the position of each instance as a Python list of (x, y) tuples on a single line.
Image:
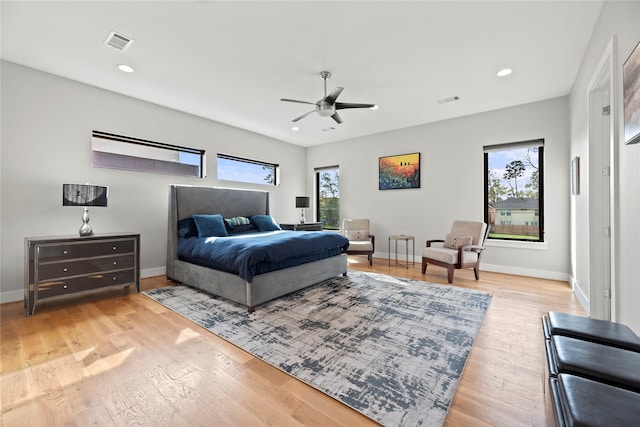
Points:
[(476, 271), (370, 259), (450, 273), (424, 266)]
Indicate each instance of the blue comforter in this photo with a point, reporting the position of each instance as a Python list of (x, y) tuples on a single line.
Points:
[(250, 254)]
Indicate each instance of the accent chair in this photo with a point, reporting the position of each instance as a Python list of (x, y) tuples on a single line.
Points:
[(461, 248), (361, 241)]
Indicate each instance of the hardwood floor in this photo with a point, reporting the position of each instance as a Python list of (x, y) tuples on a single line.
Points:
[(119, 358)]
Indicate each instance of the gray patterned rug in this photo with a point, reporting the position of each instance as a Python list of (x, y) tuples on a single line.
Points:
[(390, 348)]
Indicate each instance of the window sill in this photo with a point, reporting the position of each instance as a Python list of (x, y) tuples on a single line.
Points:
[(542, 246)]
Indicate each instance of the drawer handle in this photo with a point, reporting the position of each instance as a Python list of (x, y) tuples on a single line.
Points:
[(115, 262), (115, 248), (65, 287), (65, 252), (65, 269), (114, 278)]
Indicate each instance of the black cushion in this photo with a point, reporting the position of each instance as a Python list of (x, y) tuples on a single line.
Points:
[(611, 365), (587, 403), (601, 331)]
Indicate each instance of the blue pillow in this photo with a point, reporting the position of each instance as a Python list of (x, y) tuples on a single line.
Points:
[(187, 228), (240, 229), (265, 223), (210, 225)]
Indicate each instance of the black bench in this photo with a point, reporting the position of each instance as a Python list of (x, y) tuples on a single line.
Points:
[(593, 371), (583, 402)]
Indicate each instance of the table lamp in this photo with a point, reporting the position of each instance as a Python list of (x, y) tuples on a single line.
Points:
[(302, 202), (84, 195)]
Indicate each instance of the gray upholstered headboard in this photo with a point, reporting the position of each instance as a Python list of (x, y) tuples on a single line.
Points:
[(186, 200)]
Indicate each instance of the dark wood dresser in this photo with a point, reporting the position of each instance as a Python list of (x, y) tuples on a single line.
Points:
[(61, 266)]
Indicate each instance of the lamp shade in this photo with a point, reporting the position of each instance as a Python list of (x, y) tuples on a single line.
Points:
[(302, 202), (84, 195)]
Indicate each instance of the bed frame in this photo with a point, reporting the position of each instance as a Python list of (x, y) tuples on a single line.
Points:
[(185, 201)]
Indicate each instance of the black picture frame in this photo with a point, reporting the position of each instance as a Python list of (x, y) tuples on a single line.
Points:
[(399, 171), (631, 96)]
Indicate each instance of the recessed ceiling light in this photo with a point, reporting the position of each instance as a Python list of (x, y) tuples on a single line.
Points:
[(125, 68), (375, 107), (504, 72), (295, 128)]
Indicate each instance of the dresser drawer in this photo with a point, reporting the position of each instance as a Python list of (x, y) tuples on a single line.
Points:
[(83, 284), (84, 249), (62, 269)]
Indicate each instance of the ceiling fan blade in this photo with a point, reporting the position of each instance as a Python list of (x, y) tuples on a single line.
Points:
[(331, 98), (295, 100), (343, 105), (337, 118), (303, 116)]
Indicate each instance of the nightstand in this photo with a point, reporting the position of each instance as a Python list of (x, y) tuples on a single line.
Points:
[(307, 226), (57, 267)]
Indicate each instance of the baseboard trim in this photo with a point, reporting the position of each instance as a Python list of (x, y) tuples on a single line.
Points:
[(529, 272)]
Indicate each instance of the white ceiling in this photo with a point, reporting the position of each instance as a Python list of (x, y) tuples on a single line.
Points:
[(232, 61)]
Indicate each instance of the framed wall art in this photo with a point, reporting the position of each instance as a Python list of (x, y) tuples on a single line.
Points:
[(399, 171), (631, 95)]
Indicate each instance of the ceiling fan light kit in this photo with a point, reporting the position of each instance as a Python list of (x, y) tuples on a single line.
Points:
[(327, 106)]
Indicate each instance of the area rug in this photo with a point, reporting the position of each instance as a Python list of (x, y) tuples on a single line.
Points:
[(390, 348)]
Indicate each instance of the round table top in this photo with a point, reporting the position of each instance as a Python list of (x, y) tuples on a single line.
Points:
[(401, 237)]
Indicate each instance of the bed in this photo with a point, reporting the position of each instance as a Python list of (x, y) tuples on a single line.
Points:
[(254, 288)]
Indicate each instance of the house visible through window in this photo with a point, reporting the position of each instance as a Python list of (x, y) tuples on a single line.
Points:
[(232, 168), (328, 197), (128, 153), (513, 195)]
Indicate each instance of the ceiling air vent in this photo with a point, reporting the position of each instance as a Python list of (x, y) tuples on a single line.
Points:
[(328, 129), (448, 99), (118, 41)]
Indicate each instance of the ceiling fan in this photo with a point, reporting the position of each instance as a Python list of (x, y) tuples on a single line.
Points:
[(327, 106)]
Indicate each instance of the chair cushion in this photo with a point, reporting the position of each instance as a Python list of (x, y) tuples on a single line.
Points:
[(596, 330), (355, 245), (357, 235), (611, 365), (449, 256), (585, 402), (453, 241), (470, 228)]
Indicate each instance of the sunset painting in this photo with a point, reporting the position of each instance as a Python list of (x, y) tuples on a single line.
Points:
[(401, 171)]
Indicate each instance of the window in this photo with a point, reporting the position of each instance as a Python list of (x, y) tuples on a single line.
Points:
[(127, 153), (328, 197), (513, 195), (232, 168)]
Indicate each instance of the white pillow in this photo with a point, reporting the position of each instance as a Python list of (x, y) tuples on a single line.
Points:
[(453, 241), (357, 235)]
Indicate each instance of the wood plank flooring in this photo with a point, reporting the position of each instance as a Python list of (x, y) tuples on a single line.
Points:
[(119, 358)]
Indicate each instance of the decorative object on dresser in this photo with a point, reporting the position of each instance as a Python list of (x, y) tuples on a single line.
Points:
[(302, 202), (61, 266), (308, 226), (85, 195)]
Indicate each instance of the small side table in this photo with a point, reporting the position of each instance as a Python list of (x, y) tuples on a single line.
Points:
[(406, 239), (307, 226)]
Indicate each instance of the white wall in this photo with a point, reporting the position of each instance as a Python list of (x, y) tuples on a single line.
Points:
[(620, 19), (46, 141), (452, 181)]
